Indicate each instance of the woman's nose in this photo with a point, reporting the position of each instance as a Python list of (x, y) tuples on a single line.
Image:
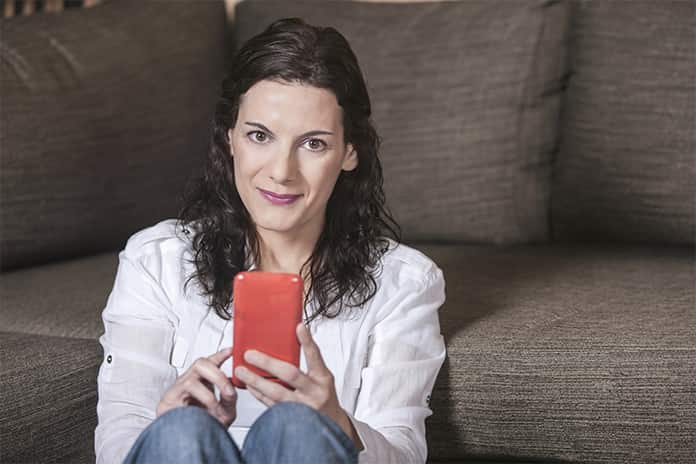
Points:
[(283, 167)]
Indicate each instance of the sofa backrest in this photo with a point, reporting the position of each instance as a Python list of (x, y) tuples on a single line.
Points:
[(105, 112), (626, 169), (466, 98)]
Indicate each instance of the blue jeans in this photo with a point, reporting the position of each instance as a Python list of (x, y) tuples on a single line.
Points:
[(287, 432)]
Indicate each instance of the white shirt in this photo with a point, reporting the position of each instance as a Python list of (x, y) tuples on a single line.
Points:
[(384, 356)]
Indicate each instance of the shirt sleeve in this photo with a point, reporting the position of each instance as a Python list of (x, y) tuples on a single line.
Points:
[(405, 355), (137, 342)]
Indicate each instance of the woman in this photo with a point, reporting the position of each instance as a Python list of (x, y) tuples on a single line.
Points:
[(292, 184)]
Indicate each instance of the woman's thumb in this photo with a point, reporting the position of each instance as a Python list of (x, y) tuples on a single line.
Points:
[(228, 395), (227, 407)]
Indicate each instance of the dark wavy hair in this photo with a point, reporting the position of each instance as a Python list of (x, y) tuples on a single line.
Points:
[(346, 257)]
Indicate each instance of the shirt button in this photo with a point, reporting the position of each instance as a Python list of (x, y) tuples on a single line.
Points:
[(108, 359), (427, 399)]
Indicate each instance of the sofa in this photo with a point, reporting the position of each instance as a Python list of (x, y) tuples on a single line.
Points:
[(541, 152)]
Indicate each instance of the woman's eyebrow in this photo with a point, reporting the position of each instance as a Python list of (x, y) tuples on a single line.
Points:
[(306, 134)]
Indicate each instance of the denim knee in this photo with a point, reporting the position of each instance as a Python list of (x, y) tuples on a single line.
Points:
[(301, 434), (188, 419), (290, 411), (184, 434)]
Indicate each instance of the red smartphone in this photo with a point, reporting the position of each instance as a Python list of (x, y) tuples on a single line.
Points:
[(267, 308)]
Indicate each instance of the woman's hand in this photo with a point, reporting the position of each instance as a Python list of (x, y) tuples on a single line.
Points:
[(316, 388), (195, 387)]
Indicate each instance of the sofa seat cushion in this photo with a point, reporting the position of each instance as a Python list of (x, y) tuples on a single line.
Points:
[(63, 299), (48, 398), (581, 353)]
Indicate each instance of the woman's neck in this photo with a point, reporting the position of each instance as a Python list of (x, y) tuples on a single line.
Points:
[(280, 253)]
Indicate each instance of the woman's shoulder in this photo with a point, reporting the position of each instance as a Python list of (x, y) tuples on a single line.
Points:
[(165, 236), (163, 252), (409, 282), (406, 263)]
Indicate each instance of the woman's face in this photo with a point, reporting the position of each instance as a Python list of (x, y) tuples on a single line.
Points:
[(288, 140)]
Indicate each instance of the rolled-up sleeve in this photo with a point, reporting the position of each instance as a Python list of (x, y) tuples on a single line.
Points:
[(136, 370), (405, 354)]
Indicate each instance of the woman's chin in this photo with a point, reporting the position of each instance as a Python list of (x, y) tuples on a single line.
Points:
[(276, 224), (281, 228), (286, 220)]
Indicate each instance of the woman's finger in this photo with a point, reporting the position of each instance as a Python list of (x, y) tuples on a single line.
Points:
[(196, 390), (221, 356), (196, 387), (211, 373), (288, 373), (260, 396), (198, 395), (272, 390), (315, 361)]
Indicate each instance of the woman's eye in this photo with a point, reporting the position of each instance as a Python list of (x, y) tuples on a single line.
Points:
[(258, 136), (315, 144)]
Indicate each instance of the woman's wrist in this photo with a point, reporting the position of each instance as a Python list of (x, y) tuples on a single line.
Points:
[(347, 425)]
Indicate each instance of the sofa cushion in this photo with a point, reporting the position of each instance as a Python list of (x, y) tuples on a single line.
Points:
[(63, 299), (48, 398), (465, 96), (106, 111), (626, 167), (575, 353)]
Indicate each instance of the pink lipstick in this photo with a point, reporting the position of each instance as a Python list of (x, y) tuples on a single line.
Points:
[(278, 199)]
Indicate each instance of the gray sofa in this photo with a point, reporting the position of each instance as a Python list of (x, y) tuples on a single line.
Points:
[(543, 153)]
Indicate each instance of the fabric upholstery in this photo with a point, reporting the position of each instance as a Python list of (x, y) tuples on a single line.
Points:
[(48, 398), (106, 111), (62, 299), (626, 169), (555, 352), (459, 90), (581, 353)]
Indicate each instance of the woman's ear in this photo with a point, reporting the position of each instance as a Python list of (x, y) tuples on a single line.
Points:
[(350, 161)]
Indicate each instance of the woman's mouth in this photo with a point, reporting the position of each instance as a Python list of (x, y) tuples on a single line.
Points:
[(278, 199)]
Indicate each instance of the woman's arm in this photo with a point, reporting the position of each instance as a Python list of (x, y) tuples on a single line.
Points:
[(405, 355), (137, 343)]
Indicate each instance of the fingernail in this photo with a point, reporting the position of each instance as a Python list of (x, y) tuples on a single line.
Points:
[(229, 390)]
